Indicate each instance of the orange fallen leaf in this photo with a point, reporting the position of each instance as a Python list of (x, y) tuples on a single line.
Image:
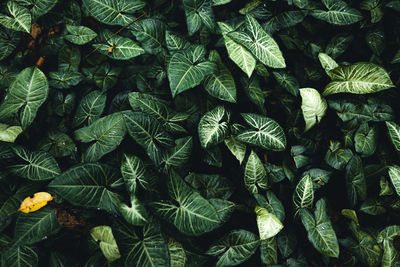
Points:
[(38, 201)]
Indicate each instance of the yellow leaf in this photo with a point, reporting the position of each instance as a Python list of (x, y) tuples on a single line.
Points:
[(38, 201)]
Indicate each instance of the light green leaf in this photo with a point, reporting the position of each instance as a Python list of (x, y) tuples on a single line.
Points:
[(27, 93), (303, 196), (220, 2), (394, 133), (259, 43), (193, 215), (320, 231), (238, 149), (390, 257), (19, 19), (104, 236), (388, 233), (396, 57), (124, 48), (268, 224), (87, 185), (237, 53), (213, 127), (151, 34), (266, 133), (37, 166), (188, 68), (134, 171), (146, 248), (180, 154), (113, 12), (337, 13), (355, 181), (177, 253), (220, 84), (105, 135), (33, 227), (136, 214), (234, 248), (358, 78), (394, 174), (90, 108), (79, 35), (255, 174), (21, 256), (313, 106), (327, 62), (9, 133), (148, 133), (366, 140)]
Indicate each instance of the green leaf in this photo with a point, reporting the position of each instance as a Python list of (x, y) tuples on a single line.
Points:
[(337, 13), (104, 236), (237, 53), (287, 81), (21, 256), (198, 12), (9, 133), (210, 185), (266, 133), (193, 215), (177, 253), (33, 227), (394, 134), (358, 78), (268, 224), (269, 251), (224, 208), (105, 134), (395, 60), (9, 40), (113, 12), (220, 84), (79, 35), (19, 19), (136, 214), (327, 62), (303, 196), (38, 7), (313, 106), (220, 2), (145, 247), (394, 174), (338, 158), (366, 140), (87, 185), (355, 181), (238, 149), (254, 92), (388, 233), (64, 79), (234, 248), (259, 43), (106, 76), (90, 108), (124, 48), (188, 68), (25, 96), (373, 206), (390, 255), (180, 154), (320, 231), (255, 174), (134, 171), (213, 127), (175, 42), (36, 166), (151, 34), (148, 133)]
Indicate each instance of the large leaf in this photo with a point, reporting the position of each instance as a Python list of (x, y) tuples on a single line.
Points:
[(36, 166), (105, 134), (337, 13), (359, 78), (303, 196), (87, 185), (33, 227), (38, 7), (9, 133), (259, 43), (79, 34), (255, 174), (198, 12), (213, 127), (21, 256), (113, 12), (394, 174), (25, 96), (19, 19), (221, 83), (144, 248), (8, 42), (188, 68), (179, 155), (151, 34), (320, 231), (148, 133), (234, 248), (193, 215), (266, 133), (103, 235), (394, 133), (313, 106), (237, 52)]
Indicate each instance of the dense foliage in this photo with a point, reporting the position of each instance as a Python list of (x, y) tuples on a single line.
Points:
[(199, 132)]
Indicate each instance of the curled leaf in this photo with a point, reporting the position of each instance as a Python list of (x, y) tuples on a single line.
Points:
[(38, 201)]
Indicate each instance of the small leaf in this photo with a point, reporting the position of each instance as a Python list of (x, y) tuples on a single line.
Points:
[(79, 35), (394, 134), (268, 224), (313, 106), (136, 214), (38, 201), (338, 13), (255, 174), (327, 62), (303, 196), (238, 149), (9, 133), (103, 234), (213, 128), (394, 174)]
